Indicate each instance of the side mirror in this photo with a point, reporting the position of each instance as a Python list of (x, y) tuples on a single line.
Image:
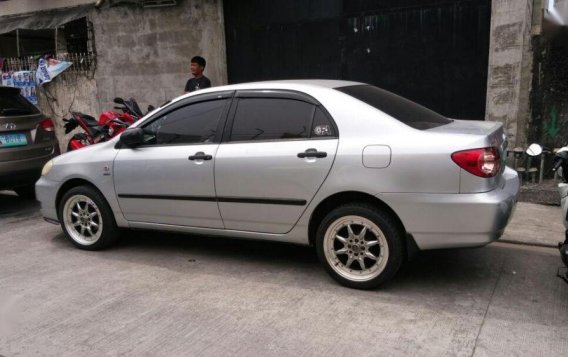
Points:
[(534, 150), (119, 100), (132, 137)]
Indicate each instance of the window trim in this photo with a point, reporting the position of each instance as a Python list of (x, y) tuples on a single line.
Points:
[(207, 97), (275, 94)]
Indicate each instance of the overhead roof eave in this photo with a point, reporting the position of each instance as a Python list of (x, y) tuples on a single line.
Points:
[(41, 20)]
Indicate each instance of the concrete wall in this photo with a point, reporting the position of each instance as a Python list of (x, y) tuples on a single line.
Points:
[(67, 92), (510, 65), (141, 53), (145, 53)]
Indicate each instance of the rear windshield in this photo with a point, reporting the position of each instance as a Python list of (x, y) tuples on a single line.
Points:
[(13, 104), (406, 111)]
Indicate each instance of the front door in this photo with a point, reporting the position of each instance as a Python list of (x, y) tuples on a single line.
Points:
[(276, 157), (169, 179)]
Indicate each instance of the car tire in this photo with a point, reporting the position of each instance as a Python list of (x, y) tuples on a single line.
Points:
[(87, 219), (26, 192), (360, 246)]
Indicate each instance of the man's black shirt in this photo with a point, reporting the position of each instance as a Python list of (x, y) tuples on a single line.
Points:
[(197, 83)]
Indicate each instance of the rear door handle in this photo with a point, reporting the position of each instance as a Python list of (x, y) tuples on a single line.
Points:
[(200, 156), (312, 153)]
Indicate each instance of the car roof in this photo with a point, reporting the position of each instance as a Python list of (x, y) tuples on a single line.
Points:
[(292, 84), (280, 84)]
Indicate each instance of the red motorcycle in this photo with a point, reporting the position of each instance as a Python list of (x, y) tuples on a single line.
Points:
[(109, 125)]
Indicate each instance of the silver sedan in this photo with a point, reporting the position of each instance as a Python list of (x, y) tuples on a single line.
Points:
[(365, 176)]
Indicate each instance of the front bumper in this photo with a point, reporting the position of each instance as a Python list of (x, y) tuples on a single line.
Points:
[(46, 193), (438, 221)]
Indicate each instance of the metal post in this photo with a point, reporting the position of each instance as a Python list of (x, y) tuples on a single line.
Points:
[(56, 40), (18, 41), (541, 172)]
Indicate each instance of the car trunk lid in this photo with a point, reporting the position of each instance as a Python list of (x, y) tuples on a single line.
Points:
[(478, 134)]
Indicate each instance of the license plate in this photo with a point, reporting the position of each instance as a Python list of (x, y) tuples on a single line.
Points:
[(10, 140)]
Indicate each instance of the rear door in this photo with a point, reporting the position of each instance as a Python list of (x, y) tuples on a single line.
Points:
[(277, 150)]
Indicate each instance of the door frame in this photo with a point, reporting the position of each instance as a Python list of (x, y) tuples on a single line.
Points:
[(274, 94)]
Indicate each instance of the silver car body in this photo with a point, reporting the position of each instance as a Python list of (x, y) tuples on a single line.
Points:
[(262, 190)]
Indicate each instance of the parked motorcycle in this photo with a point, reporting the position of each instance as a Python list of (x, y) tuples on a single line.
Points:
[(561, 169), (109, 125)]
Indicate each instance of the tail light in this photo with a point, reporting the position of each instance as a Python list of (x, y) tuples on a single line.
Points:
[(47, 125), (483, 162)]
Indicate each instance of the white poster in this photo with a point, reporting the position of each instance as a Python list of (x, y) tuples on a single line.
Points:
[(49, 69)]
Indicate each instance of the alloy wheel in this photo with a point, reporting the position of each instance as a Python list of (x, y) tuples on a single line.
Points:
[(356, 248), (83, 220)]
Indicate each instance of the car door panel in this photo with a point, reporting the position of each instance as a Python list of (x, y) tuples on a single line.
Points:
[(265, 186), (170, 178), (161, 185)]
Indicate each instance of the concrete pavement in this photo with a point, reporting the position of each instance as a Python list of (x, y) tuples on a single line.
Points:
[(175, 295), (536, 225)]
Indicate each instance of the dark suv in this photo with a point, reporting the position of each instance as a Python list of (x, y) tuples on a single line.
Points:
[(27, 142)]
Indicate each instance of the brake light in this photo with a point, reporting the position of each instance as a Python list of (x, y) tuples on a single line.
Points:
[(483, 162), (47, 125)]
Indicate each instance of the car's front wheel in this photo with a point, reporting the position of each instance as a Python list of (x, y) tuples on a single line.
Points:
[(86, 219), (359, 245)]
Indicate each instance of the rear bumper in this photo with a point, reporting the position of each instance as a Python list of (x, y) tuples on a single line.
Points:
[(438, 221), (22, 172)]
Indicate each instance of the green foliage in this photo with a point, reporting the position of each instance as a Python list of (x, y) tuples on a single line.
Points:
[(552, 127)]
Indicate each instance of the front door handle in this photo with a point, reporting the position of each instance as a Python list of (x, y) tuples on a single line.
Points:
[(312, 153), (200, 156)]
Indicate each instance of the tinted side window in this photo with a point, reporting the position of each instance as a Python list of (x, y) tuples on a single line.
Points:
[(195, 123), (322, 126), (12, 104), (271, 118), (406, 111)]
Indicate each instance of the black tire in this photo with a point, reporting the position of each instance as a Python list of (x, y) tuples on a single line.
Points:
[(26, 192), (109, 232), (393, 238)]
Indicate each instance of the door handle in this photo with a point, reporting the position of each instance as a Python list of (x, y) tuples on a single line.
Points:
[(200, 156), (312, 153)]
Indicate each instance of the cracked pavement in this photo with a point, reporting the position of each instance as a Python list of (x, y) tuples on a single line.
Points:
[(177, 295)]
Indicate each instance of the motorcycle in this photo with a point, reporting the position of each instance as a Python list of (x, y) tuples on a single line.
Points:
[(109, 125), (560, 168)]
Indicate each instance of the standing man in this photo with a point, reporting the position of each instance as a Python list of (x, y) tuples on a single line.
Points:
[(199, 81)]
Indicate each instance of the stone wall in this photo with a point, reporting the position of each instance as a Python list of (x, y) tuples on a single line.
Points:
[(510, 65)]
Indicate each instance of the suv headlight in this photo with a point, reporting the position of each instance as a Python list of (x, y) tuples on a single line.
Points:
[(47, 167)]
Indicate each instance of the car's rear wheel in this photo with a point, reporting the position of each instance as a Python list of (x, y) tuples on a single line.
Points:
[(26, 192), (87, 219), (360, 246)]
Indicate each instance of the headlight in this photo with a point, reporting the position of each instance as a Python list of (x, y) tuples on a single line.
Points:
[(46, 168)]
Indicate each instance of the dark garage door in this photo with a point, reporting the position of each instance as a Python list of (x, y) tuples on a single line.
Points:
[(433, 52)]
